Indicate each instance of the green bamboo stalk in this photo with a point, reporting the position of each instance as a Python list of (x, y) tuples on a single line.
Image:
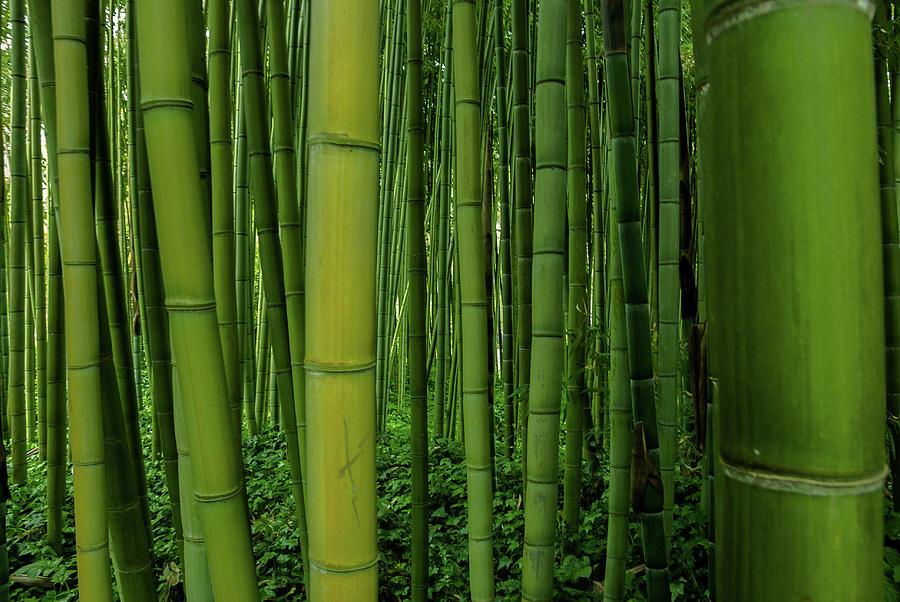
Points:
[(110, 260), (129, 540), (416, 303), (548, 344), (890, 236), (38, 260), (442, 256), (620, 425), (187, 275), (598, 276), (669, 167), (800, 450), (243, 286), (159, 350), (390, 143), (647, 492), (197, 583), (262, 360), (652, 178), (522, 192), (701, 82), (56, 388), (505, 260), (272, 393), (80, 286), (30, 409), (474, 348), (341, 300), (577, 311), (279, 277), (17, 227), (291, 236), (224, 257)]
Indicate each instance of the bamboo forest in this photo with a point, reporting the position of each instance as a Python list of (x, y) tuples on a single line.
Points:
[(358, 300)]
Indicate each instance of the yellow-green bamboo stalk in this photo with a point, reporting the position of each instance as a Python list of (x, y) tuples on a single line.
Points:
[(184, 244), (222, 200), (340, 310), (78, 248), (469, 229)]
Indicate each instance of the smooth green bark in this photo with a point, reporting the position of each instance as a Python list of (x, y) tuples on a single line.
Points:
[(473, 326), (80, 286), (795, 303), (341, 300), (185, 258)]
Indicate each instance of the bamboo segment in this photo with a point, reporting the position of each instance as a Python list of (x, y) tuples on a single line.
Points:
[(184, 246), (473, 304), (341, 300), (795, 302), (78, 249)]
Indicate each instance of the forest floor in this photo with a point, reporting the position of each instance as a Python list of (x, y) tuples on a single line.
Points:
[(580, 554)]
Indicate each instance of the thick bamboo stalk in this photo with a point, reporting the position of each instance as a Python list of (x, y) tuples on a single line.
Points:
[(474, 366), (548, 324), (669, 166), (159, 350), (341, 300), (800, 447), (78, 249), (184, 244)]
